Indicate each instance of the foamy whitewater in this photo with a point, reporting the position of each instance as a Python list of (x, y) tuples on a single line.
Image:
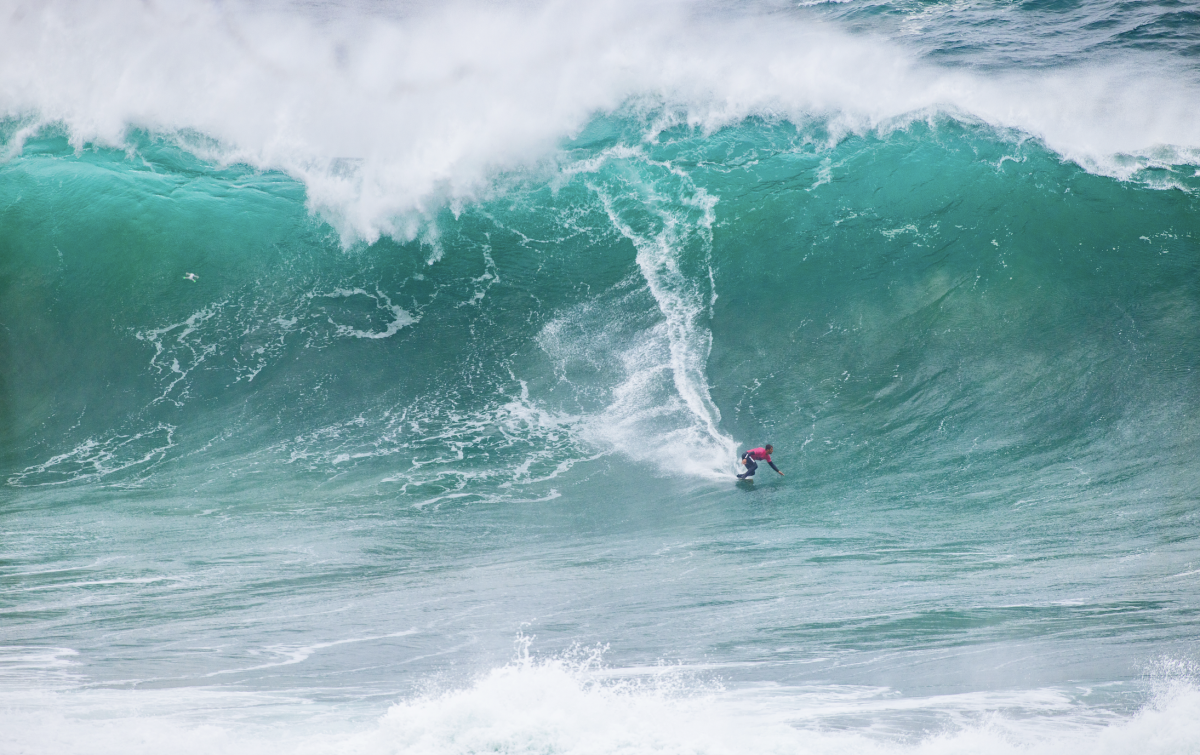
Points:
[(435, 453)]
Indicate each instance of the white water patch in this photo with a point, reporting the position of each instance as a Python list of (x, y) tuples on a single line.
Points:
[(531, 707), (388, 117), (575, 706), (39, 666)]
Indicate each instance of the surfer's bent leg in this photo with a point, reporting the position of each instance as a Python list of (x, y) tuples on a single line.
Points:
[(751, 465)]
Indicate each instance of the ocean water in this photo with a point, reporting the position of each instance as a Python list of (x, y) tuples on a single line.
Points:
[(436, 454)]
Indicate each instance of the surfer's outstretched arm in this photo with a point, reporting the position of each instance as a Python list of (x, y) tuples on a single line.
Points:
[(772, 464)]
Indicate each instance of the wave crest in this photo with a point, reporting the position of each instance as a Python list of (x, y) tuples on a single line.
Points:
[(388, 119)]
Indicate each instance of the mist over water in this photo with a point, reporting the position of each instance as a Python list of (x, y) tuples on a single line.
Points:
[(436, 454)]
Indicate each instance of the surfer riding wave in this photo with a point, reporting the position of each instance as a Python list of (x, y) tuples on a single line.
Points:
[(751, 458)]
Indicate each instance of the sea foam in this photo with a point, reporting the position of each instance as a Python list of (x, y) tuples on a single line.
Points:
[(388, 118), (575, 706)]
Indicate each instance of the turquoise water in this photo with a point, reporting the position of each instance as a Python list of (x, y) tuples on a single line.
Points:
[(436, 455)]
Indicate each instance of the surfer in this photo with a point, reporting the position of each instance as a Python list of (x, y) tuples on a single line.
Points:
[(751, 458)]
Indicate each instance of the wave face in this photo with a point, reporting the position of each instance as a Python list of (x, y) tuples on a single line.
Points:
[(487, 300)]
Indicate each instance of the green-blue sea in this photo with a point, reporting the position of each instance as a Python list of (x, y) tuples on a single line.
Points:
[(374, 375)]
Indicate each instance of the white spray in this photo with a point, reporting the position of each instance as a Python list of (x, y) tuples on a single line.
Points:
[(387, 119)]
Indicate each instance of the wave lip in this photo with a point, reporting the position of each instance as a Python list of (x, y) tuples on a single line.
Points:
[(386, 120)]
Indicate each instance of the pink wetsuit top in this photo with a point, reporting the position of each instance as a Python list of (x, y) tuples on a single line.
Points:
[(759, 454)]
